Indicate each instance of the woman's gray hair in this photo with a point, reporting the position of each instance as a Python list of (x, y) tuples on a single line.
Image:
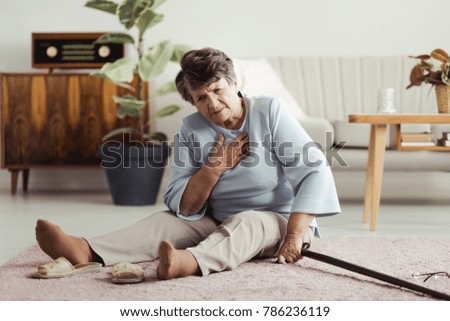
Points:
[(202, 67)]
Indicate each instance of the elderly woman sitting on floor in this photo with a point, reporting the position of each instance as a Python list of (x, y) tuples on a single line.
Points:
[(246, 182)]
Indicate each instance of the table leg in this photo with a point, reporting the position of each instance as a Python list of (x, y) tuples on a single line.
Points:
[(379, 149), (25, 178), (14, 179), (369, 176)]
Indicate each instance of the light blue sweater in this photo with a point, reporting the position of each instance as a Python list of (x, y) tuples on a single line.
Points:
[(285, 171)]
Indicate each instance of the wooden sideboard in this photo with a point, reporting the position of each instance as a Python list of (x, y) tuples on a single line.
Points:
[(54, 120)]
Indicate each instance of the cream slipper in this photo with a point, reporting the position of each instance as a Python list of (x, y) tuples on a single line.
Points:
[(125, 272), (61, 267)]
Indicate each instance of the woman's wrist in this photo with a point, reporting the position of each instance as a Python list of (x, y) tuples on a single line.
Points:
[(294, 237), (214, 170), (298, 224)]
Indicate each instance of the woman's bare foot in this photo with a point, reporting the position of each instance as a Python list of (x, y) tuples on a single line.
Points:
[(175, 263), (55, 243)]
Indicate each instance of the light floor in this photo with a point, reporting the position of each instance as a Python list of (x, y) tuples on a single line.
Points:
[(79, 201)]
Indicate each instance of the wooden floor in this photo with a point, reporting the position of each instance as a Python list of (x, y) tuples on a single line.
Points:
[(79, 201)]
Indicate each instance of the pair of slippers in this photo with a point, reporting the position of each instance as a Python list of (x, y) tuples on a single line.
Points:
[(121, 273)]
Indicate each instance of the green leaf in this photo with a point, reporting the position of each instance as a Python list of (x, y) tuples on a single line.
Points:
[(147, 19), (125, 111), (117, 131), (122, 70), (445, 74), (118, 83), (129, 96), (129, 102), (124, 85), (128, 11), (153, 4), (103, 5), (178, 52), (166, 111), (157, 3), (119, 37), (155, 60), (129, 106), (98, 74), (168, 87)]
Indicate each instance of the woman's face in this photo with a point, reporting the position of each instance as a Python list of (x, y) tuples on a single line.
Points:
[(219, 103)]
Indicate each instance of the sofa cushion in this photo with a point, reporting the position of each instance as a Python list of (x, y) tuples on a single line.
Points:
[(257, 77), (318, 129), (352, 135)]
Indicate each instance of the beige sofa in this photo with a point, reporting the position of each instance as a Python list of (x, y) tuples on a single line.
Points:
[(322, 91)]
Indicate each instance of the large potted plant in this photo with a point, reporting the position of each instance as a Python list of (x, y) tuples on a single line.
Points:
[(434, 69), (134, 156)]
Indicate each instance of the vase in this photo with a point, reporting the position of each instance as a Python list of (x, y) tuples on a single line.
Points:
[(134, 173), (443, 98)]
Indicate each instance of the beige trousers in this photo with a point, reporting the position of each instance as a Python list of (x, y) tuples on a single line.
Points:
[(238, 239)]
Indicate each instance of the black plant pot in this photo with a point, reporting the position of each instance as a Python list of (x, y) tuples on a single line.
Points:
[(134, 172)]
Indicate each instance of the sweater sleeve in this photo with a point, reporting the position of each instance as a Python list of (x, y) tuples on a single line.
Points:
[(183, 166), (303, 163)]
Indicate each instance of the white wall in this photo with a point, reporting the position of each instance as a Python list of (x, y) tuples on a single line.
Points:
[(244, 28), (247, 27)]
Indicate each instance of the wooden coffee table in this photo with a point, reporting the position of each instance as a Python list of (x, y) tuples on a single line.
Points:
[(377, 147)]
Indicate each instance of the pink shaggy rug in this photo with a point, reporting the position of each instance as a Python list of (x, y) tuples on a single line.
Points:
[(257, 280)]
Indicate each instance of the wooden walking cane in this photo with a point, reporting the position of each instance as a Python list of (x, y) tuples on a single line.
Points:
[(371, 273)]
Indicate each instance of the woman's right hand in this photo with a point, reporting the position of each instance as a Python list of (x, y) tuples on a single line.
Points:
[(226, 156), (222, 158)]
